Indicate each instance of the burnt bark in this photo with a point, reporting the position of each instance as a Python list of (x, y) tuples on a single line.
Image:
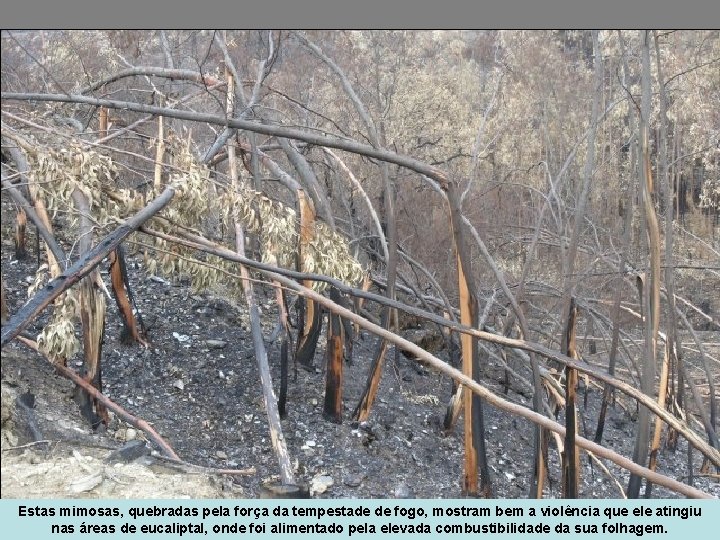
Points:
[(133, 328), (571, 456), (332, 409)]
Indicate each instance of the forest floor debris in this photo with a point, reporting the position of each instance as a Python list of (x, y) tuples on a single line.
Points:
[(197, 385)]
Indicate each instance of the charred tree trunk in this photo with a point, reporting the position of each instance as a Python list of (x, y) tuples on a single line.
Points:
[(309, 314), (37, 219), (133, 329), (662, 393), (608, 393), (285, 347), (474, 433), (453, 409), (571, 456), (334, 361), (38, 209), (20, 234), (362, 411), (92, 317)]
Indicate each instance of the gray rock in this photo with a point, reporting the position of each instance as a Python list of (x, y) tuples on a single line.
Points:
[(403, 491), (353, 480), (215, 343), (128, 452)]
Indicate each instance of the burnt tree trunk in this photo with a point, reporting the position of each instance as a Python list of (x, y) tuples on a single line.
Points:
[(133, 329), (92, 318), (309, 314), (285, 346), (475, 451), (334, 360), (571, 456), (20, 234), (651, 299), (608, 392)]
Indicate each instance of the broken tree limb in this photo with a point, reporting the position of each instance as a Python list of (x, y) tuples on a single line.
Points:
[(168, 73), (357, 187), (271, 406), (117, 409), (81, 268)]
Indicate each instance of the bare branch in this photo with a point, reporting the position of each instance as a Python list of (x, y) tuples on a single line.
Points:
[(268, 129)]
